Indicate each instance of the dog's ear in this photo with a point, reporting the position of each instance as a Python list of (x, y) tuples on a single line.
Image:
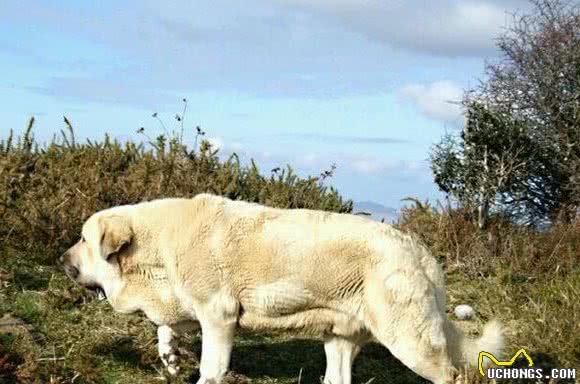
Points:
[(116, 233)]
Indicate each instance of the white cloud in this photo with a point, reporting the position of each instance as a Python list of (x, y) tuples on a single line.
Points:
[(216, 142), (318, 48), (265, 155), (236, 146), (438, 100), (366, 166), (310, 160), (372, 165), (439, 28)]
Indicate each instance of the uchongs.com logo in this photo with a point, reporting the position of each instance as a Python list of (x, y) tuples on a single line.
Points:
[(505, 369)]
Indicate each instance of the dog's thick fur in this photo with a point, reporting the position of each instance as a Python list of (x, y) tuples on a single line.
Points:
[(222, 264)]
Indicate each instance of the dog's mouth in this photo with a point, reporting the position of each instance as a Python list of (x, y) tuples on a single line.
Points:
[(98, 290)]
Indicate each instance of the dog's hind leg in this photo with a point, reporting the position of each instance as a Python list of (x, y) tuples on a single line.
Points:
[(340, 354)]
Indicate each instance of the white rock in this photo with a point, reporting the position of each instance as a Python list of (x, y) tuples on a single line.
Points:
[(464, 312)]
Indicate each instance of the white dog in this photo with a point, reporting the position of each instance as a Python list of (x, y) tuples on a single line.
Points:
[(221, 264)]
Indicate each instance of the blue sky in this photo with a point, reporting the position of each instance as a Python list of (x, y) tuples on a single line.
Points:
[(365, 84)]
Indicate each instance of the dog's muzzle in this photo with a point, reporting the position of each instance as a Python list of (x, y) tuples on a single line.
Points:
[(71, 271)]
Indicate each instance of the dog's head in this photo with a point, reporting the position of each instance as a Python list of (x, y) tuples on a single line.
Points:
[(93, 261)]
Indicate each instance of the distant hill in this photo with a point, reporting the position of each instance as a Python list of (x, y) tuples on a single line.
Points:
[(377, 211)]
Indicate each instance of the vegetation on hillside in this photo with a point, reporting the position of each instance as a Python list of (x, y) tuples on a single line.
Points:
[(48, 191), (59, 333)]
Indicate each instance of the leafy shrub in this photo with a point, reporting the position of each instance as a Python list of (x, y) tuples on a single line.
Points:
[(46, 192)]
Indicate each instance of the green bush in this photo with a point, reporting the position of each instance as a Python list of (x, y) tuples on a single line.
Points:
[(46, 192)]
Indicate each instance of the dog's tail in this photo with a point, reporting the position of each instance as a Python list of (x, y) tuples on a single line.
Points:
[(465, 351)]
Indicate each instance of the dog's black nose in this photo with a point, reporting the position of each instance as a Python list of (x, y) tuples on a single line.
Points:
[(71, 271)]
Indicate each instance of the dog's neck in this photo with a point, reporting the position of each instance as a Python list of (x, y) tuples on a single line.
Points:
[(114, 291)]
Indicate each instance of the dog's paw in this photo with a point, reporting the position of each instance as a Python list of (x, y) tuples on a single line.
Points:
[(170, 363)]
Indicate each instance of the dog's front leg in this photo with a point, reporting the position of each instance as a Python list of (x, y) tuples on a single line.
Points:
[(167, 343), (217, 339), (340, 354)]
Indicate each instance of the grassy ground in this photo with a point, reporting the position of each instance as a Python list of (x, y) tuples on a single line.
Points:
[(74, 338)]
